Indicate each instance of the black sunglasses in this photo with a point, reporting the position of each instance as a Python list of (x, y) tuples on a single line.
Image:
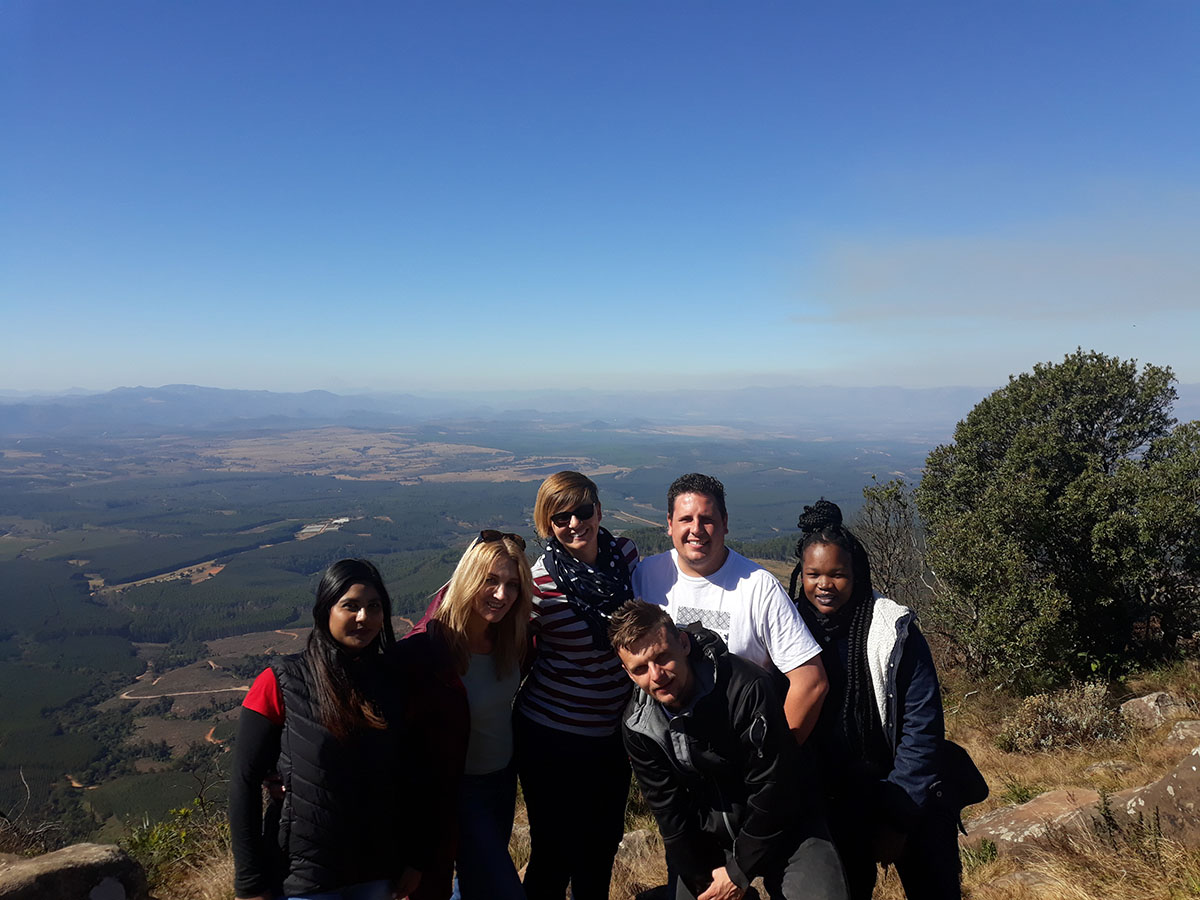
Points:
[(489, 535), (582, 513)]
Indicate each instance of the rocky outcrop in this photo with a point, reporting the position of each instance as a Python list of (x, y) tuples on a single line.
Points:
[(1171, 806), (1152, 710), (1016, 828), (1185, 731), (79, 872), (1172, 802)]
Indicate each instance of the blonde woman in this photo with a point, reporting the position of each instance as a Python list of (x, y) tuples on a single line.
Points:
[(574, 770), (478, 621)]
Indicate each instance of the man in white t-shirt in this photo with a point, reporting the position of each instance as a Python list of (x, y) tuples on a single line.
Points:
[(702, 580)]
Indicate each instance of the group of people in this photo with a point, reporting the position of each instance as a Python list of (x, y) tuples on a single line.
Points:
[(795, 739)]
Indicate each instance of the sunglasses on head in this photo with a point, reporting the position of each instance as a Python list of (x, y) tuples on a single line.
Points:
[(489, 535), (582, 512)]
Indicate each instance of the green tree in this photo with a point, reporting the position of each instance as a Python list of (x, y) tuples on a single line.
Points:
[(1061, 523)]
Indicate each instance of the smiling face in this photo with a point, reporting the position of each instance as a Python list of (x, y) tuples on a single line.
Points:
[(357, 617), (698, 531), (658, 664), (579, 536), (500, 591), (828, 577)]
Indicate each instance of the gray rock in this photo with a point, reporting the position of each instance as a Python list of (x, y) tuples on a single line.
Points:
[(1152, 710), (79, 872), (1185, 731), (639, 844)]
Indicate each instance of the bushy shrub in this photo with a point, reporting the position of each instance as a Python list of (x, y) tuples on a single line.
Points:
[(188, 836), (1061, 525), (1072, 717)]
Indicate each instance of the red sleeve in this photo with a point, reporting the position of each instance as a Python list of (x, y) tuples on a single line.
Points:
[(264, 697)]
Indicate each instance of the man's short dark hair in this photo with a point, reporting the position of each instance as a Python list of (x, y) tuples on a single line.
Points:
[(695, 483), (636, 619)]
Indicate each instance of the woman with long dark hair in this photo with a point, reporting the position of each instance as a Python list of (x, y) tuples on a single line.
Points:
[(574, 770), (477, 626), (880, 737), (332, 722)]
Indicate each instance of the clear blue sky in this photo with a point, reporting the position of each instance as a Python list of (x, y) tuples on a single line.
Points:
[(412, 195)]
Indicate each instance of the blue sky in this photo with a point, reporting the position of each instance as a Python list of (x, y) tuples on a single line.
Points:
[(414, 195)]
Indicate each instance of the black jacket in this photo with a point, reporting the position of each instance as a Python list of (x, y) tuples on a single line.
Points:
[(347, 816), (743, 797)]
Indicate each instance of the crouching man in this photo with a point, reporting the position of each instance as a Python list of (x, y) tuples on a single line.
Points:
[(718, 765)]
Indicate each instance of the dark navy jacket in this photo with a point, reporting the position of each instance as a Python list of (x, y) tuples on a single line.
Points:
[(909, 701)]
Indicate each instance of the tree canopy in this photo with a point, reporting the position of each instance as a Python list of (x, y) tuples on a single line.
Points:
[(1062, 523)]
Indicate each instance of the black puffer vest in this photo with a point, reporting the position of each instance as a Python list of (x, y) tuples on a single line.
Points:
[(343, 820)]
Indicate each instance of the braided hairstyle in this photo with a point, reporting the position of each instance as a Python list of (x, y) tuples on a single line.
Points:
[(821, 523)]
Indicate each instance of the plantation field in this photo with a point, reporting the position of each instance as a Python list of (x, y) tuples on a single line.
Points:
[(134, 797)]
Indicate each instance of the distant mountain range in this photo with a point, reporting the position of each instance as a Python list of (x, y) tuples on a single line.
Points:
[(927, 414)]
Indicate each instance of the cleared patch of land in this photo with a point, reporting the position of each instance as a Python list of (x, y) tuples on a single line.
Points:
[(178, 733), (289, 640), (196, 680), (623, 516), (195, 574), (347, 453), (530, 470), (781, 570)]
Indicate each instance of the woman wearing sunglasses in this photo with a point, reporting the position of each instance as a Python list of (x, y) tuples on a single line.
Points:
[(574, 771), (476, 628)]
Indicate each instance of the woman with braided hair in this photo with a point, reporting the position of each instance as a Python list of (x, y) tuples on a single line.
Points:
[(880, 735)]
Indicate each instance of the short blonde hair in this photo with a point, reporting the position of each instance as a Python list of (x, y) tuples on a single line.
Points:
[(560, 492), (469, 578)]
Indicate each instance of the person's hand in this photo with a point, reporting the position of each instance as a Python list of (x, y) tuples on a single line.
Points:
[(257, 897), (888, 844), (721, 888), (408, 881)]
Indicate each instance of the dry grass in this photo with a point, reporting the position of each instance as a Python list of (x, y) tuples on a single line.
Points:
[(1111, 863), (207, 879), (1093, 866), (638, 868), (974, 716)]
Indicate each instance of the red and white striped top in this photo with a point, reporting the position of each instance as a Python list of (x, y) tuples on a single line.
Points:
[(573, 686)]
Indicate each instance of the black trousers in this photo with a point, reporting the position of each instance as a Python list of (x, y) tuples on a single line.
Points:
[(575, 791), (811, 871), (928, 866)]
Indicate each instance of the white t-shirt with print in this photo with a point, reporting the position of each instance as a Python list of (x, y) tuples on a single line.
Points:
[(742, 602)]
